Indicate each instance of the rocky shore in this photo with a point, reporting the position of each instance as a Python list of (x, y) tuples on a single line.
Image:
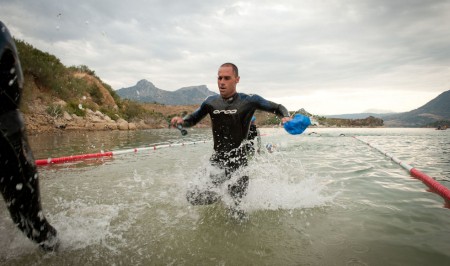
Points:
[(38, 120)]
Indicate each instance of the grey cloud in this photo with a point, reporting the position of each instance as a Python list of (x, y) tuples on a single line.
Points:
[(282, 45)]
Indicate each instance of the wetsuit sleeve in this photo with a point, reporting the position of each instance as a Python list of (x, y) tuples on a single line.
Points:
[(269, 106), (192, 119), (282, 111)]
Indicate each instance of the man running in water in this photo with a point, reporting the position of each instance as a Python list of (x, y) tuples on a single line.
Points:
[(19, 183), (230, 114)]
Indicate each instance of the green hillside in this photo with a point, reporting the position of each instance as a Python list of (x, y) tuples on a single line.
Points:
[(47, 79)]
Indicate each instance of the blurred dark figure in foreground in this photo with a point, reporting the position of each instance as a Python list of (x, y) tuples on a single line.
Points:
[(19, 182)]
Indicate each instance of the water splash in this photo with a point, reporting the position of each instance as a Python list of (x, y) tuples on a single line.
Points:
[(277, 182), (81, 224)]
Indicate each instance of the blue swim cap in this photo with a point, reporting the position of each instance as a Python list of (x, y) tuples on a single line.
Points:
[(297, 125), (253, 119)]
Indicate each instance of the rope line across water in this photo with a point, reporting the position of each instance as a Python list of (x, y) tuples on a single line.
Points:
[(434, 185), (81, 157)]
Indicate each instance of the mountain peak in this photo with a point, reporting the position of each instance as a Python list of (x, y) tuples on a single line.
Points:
[(144, 83)]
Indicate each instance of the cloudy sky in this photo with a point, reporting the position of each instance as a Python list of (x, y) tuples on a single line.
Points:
[(329, 57)]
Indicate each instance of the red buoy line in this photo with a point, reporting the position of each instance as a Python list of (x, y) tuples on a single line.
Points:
[(81, 157), (434, 185)]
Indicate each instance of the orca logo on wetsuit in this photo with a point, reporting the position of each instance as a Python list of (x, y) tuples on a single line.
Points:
[(227, 112)]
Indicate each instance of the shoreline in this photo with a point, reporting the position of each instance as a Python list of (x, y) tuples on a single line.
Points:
[(49, 130)]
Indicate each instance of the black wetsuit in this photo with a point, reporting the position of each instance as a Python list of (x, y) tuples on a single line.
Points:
[(253, 135), (231, 121), (19, 182), (230, 127)]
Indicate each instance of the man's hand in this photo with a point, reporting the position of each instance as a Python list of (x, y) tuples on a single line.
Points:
[(285, 119), (176, 120)]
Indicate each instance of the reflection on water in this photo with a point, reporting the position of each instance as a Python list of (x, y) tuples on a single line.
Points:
[(72, 143), (319, 199)]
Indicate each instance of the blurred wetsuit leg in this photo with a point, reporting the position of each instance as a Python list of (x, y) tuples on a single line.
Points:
[(19, 183)]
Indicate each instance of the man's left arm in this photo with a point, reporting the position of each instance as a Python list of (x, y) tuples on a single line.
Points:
[(269, 106)]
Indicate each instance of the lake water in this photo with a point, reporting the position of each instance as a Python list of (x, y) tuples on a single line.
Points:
[(321, 198)]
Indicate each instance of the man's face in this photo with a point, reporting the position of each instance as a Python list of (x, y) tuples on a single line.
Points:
[(227, 81)]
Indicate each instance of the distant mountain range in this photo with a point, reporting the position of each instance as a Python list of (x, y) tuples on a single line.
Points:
[(431, 113), (144, 91), (358, 115), (434, 111)]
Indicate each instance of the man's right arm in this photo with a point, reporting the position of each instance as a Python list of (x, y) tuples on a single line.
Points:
[(191, 119)]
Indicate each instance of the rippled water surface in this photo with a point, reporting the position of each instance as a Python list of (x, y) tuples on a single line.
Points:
[(322, 198)]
